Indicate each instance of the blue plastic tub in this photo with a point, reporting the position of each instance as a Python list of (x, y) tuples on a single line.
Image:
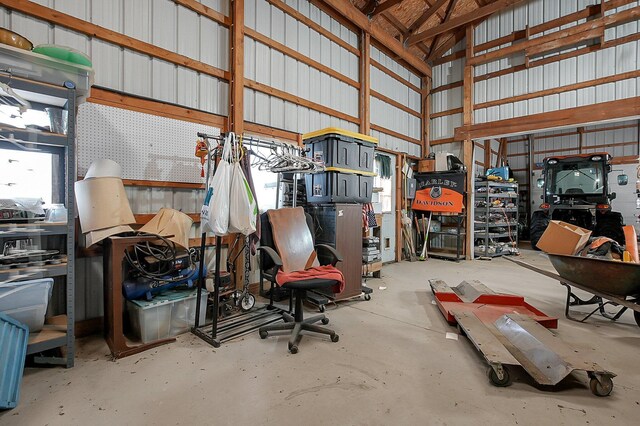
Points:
[(14, 337)]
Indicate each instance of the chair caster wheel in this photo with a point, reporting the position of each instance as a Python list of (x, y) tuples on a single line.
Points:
[(321, 308), (263, 334), (293, 349), (335, 338), (325, 321)]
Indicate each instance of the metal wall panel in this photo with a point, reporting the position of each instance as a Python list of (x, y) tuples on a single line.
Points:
[(598, 64), (389, 116), (159, 22)]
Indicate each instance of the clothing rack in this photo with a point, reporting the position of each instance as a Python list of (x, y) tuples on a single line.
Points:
[(236, 325)]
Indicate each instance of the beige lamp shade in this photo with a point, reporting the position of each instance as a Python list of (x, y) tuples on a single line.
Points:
[(102, 203)]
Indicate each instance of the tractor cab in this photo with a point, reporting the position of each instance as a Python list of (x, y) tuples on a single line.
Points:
[(576, 190)]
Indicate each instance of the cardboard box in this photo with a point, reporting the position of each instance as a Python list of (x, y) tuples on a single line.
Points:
[(563, 238), (426, 166)]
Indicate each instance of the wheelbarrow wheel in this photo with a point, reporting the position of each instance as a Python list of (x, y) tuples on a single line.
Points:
[(602, 387), (495, 381)]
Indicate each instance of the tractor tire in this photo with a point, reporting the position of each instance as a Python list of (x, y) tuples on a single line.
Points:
[(539, 223), (610, 225)]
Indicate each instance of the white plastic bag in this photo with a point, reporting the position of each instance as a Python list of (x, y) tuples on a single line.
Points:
[(243, 206), (215, 211)]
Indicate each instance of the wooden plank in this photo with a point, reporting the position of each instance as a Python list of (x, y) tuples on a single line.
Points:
[(365, 83), (424, 121), (396, 104), (388, 4), (259, 129), (428, 13), (236, 39), (299, 101), (148, 106), (449, 86), (467, 119), (205, 11), (630, 159), (441, 141), (95, 31), (352, 14), (571, 117), (160, 184), (438, 59), (394, 75), (609, 21), (299, 57), (562, 89), (487, 154), (395, 134), (448, 43), (461, 20), (314, 25), (561, 42), (447, 112), (398, 224)]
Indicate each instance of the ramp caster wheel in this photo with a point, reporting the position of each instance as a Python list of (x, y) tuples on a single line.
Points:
[(321, 308), (335, 338), (602, 387), (293, 349), (263, 334), (324, 321), (496, 381), (367, 297)]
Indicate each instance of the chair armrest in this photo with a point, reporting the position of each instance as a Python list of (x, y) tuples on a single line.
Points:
[(334, 253), (273, 255)]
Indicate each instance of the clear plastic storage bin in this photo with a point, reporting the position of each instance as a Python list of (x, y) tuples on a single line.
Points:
[(167, 315), (26, 301)]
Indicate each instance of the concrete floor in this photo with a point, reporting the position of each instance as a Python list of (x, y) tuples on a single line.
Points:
[(392, 365)]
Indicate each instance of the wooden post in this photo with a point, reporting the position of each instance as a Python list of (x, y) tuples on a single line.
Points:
[(365, 83), (487, 154), (426, 112), (236, 104), (399, 198), (468, 142), (236, 98)]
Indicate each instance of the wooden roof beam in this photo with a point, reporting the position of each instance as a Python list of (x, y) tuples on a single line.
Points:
[(382, 7), (447, 16), (428, 13), (461, 20), (350, 12)]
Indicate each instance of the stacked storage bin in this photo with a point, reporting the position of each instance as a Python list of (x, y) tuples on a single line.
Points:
[(348, 158)]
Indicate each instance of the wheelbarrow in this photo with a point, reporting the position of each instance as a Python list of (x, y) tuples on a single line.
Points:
[(611, 283)]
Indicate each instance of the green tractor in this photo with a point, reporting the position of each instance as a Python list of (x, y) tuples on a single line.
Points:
[(576, 190)]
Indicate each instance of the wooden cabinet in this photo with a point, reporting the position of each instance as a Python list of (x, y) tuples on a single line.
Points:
[(340, 225)]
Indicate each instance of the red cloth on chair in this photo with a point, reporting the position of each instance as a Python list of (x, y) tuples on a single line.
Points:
[(326, 272)]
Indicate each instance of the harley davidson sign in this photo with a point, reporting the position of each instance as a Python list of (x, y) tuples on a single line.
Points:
[(440, 192)]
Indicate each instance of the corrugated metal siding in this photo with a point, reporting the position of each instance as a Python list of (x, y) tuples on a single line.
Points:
[(603, 63), (160, 22), (389, 116), (270, 67)]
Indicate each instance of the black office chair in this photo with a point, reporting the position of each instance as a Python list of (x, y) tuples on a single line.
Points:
[(271, 261)]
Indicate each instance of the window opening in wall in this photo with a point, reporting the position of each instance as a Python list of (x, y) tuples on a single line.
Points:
[(265, 183), (31, 118), (25, 182), (382, 184)]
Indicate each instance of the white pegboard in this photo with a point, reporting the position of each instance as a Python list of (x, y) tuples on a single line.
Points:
[(148, 147)]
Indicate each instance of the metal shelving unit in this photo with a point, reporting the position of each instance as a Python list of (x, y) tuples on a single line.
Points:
[(485, 227), (451, 241), (59, 328)]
